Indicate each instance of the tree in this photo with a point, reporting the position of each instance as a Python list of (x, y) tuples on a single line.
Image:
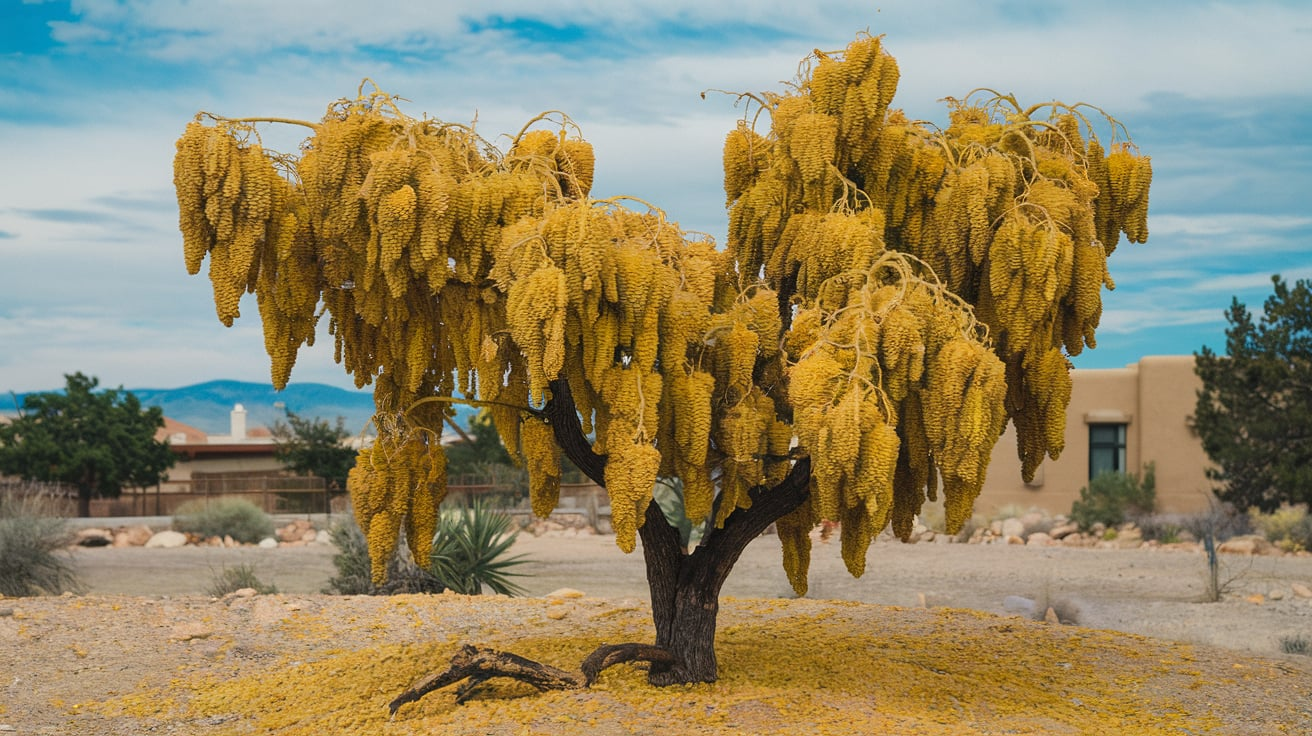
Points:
[(314, 447), (1255, 406), (479, 448), (99, 442), (890, 295)]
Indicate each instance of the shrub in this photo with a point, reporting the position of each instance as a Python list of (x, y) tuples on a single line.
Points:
[(225, 517), (354, 574), (1220, 522), (1112, 498), (351, 560), (469, 551), (31, 545), (1288, 527), (233, 579), (1164, 528), (1297, 644)]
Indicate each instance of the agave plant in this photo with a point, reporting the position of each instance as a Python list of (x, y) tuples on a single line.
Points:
[(469, 551)]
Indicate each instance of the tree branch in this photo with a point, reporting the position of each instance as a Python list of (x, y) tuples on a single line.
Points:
[(564, 418)]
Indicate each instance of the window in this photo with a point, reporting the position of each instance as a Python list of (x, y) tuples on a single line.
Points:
[(1106, 448)]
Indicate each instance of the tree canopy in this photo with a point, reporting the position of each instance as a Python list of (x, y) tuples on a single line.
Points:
[(1255, 407), (314, 447), (891, 293), (98, 441)]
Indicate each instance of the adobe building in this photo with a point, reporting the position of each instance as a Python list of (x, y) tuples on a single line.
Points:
[(1118, 419)]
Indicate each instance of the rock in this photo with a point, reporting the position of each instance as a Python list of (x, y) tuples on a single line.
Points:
[(1013, 539), (268, 543), (167, 539), (191, 630), (94, 537), (323, 537), (1032, 520), (996, 528), (228, 541), (132, 536), (1050, 616), (1061, 531), (1256, 599), (1012, 528), (1249, 544), (1038, 539), (1276, 595), (294, 531), (1018, 604), (1301, 590), (565, 593), (309, 535)]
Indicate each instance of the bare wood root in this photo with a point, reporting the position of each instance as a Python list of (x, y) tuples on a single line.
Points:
[(608, 655), (479, 665)]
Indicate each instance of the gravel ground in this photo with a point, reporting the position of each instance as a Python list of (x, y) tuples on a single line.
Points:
[(145, 620)]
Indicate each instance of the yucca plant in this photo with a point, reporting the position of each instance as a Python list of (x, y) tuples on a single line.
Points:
[(469, 551)]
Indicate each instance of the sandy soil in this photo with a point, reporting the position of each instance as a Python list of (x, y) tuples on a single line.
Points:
[(145, 618)]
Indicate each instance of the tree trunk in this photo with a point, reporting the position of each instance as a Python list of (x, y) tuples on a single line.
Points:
[(685, 587), (84, 501)]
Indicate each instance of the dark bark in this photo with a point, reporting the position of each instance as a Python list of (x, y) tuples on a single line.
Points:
[(479, 666), (685, 588)]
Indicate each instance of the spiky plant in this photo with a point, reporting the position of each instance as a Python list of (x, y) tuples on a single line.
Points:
[(469, 551)]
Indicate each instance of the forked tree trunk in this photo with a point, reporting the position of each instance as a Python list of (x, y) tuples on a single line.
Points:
[(685, 587)]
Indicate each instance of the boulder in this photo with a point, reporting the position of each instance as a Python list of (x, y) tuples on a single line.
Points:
[(1249, 544), (167, 539), (1301, 590), (132, 536), (92, 537)]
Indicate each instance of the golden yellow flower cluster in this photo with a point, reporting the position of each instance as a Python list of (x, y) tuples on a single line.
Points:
[(893, 388), (230, 198), (398, 482)]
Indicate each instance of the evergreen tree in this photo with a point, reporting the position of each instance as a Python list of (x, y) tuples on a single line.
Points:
[(1254, 411), (99, 442)]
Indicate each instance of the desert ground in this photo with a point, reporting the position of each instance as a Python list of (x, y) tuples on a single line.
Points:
[(126, 656)]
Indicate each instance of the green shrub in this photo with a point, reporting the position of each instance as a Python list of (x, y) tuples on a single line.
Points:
[(469, 551), (31, 546), (233, 579), (351, 560), (225, 517), (1113, 498), (1288, 527)]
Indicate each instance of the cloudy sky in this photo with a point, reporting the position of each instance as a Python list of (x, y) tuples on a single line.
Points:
[(93, 94)]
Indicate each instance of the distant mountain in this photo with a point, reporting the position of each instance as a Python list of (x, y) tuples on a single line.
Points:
[(208, 406)]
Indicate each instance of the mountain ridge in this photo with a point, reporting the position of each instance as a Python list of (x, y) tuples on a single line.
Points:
[(207, 406)]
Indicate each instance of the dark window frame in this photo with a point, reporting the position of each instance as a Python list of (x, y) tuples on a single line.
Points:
[(1116, 445)]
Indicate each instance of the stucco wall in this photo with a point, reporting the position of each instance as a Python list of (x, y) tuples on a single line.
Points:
[(1154, 398)]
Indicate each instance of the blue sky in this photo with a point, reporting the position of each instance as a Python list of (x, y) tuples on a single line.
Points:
[(93, 94)]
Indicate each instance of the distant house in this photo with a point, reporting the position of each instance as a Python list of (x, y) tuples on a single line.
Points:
[(241, 452), (239, 464), (1118, 419)]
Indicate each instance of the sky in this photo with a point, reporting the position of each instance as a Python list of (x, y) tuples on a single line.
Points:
[(93, 94)]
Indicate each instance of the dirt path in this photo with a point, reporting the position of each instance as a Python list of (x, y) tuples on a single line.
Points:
[(1155, 593)]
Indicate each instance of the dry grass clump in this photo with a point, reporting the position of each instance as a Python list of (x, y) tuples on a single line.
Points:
[(32, 549), (795, 667)]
